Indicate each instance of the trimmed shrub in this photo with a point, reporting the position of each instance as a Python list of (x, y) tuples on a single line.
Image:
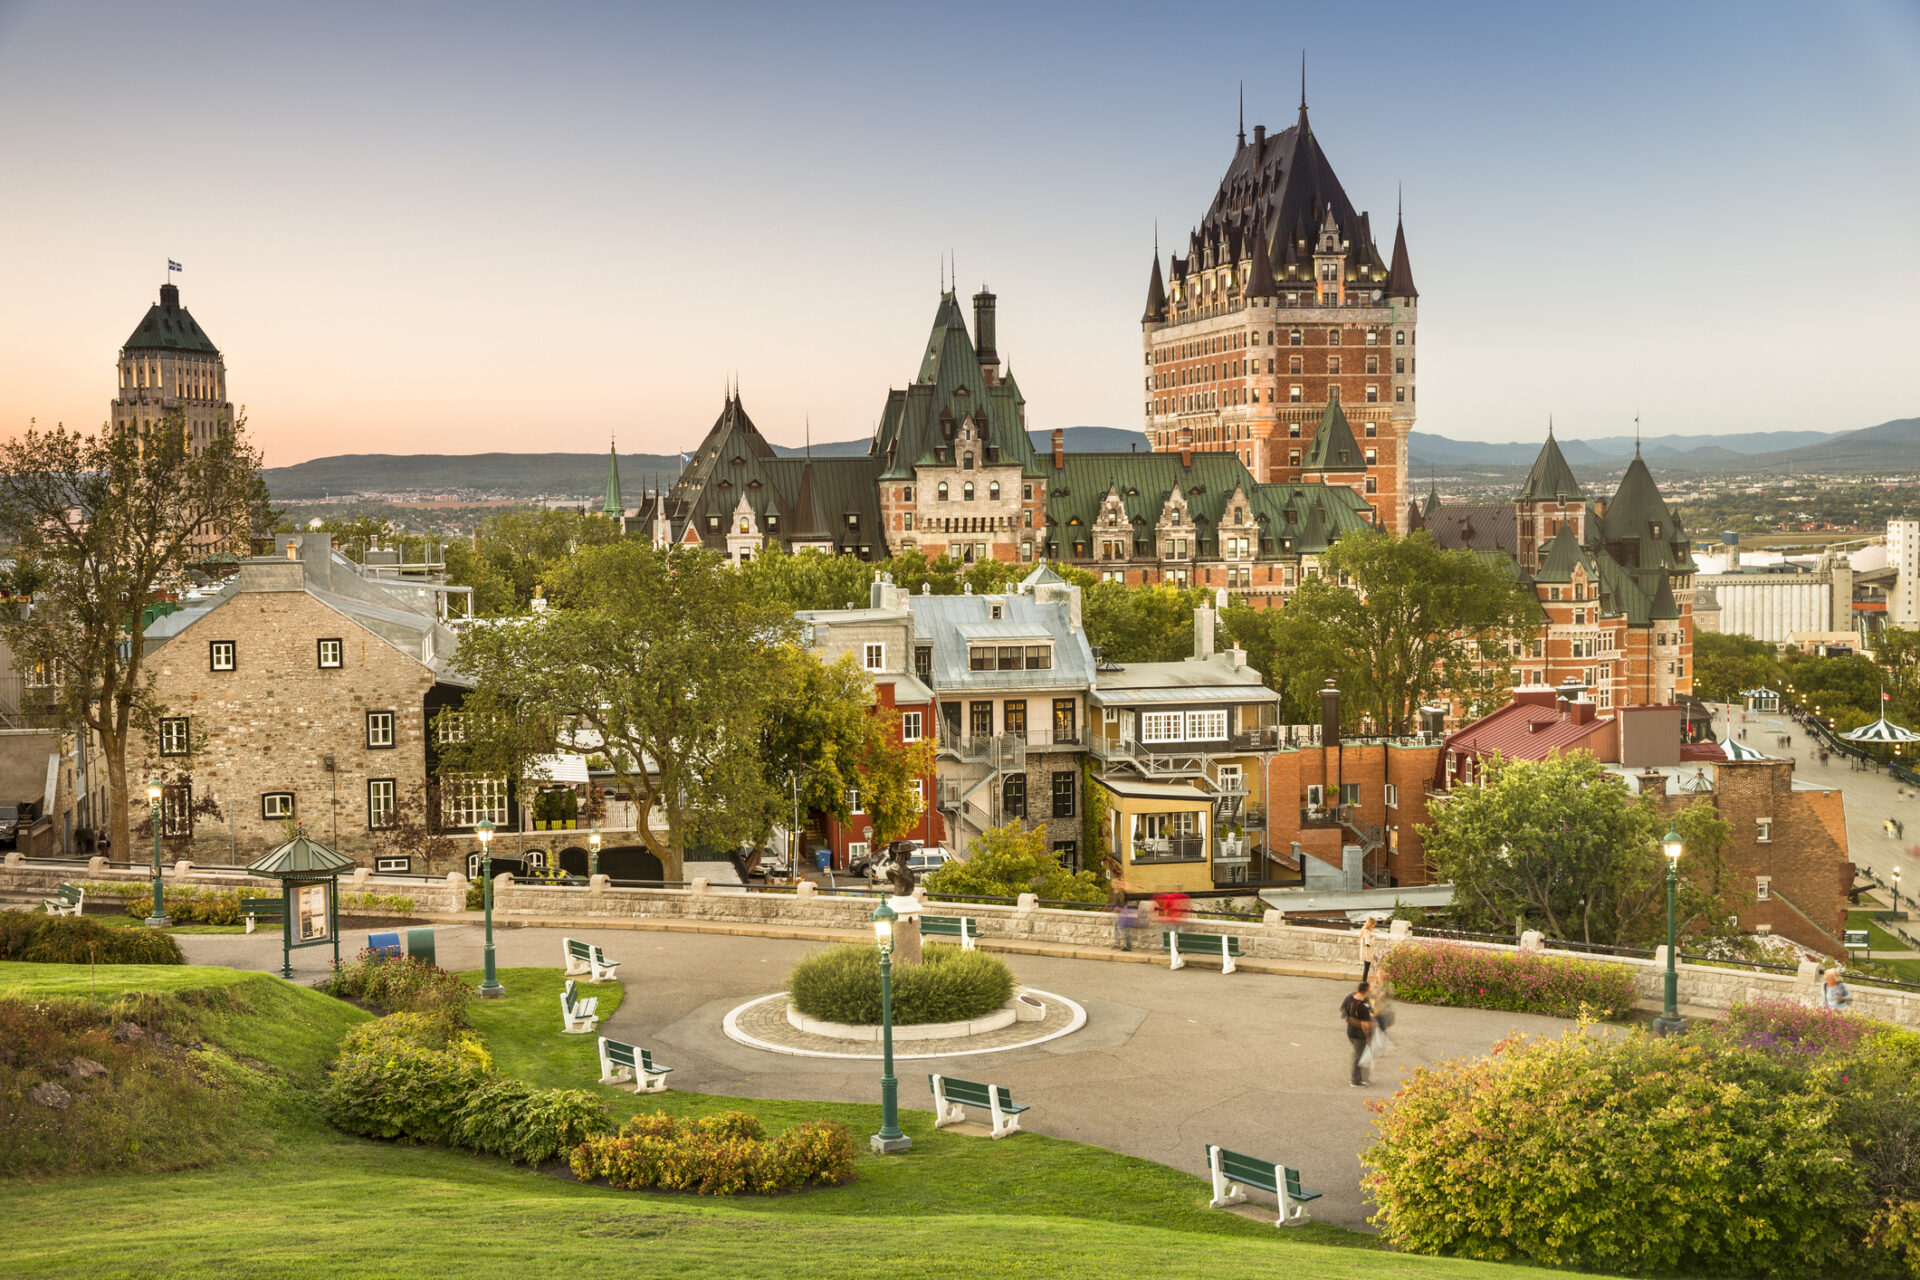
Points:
[(186, 904), (842, 984), (376, 904), (526, 1123), (1683, 1155), (1447, 973), (44, 939), (401, 984), (395, 1087), (417, 1030), (718, 1155)]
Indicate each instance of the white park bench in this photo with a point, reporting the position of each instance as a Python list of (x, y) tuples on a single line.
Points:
[(66, 900), (587, 958), (577, 1016), (1232, 1172), (1200, 944), (951, 1096), (630, 1064)]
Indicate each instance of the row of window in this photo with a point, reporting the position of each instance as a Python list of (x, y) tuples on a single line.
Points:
[(1350, 795), (1202, 401), (919, 786), (329, 654), (176, 806), (176, 733), (1295, 337), (1183, 726), (1013, 719)]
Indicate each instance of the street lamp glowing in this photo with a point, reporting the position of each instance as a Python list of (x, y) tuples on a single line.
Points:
[(483, 831), (1671, 846), (883, 918), (890, 1139), (1670, 1022), (490, 987), (153, 791)]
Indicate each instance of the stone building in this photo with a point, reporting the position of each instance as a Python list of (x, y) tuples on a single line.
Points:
[(1614, 578), (1281, 307), (881, 639), (1773, 602), (301, 693), (170, 365)]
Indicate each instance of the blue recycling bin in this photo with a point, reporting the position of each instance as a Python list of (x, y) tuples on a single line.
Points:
[(823, 858)]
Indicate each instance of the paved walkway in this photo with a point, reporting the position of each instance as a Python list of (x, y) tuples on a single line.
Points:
[(1167, 1062)]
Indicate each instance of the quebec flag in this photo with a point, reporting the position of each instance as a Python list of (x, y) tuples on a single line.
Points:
[(174, 266)]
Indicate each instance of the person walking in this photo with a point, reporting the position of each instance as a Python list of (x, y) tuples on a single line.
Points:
[(1366, 949), (1835, 994), (1122, 916), (1357, 1012), (1382, 1003)]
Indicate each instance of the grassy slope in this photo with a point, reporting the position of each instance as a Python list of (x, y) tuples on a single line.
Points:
[(326, 1205)]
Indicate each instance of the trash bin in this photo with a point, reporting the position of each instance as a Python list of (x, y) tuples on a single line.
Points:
[(823, 859), (420, 944)]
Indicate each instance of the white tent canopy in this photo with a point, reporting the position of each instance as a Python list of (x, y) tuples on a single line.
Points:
[(1881, 730)]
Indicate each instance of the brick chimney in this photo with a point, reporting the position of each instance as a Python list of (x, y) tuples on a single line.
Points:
[(1059, 448)]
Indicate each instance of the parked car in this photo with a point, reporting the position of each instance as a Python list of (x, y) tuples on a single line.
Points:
[(923, 862), (9, 825)]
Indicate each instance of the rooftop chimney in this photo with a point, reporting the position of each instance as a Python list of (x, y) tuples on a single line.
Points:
[(1259, 139), (983, 335), (1203, 633), (1059, 448), (1330, 715)]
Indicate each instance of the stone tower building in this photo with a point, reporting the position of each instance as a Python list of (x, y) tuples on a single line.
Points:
[(1282, 307), (170, 365)]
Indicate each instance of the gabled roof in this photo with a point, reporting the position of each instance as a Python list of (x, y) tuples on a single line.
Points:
[(169, 327), (1474, 527), (1551, 479), (921, 422), (1638, 528), (1333, 447)]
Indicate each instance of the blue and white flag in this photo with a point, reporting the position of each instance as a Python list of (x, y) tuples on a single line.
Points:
[(174, 266), (683, 461)]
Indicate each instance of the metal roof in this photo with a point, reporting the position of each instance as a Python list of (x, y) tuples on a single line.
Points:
[(945, 620), (1122, 785), (1182, 693), (1003, 630), (300, 857)]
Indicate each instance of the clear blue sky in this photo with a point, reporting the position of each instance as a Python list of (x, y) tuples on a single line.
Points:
[(465, 227)]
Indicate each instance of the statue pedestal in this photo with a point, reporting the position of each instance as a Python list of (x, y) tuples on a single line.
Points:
[(906, 929)]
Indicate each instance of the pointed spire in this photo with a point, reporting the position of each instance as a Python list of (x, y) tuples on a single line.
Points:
[(1636, 435), (1243, 113), (1400, 272), (1260, 283), (1156, 287), (611, 506), (1303, 91)]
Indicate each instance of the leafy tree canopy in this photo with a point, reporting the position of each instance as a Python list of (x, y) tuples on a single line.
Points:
[(1724, 663), (1008, 861)]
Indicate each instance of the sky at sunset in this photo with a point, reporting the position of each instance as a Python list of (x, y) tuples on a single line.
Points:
[(456, 228)]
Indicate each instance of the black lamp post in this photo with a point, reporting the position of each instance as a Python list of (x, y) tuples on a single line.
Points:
[(490, 987), (1896, 890), (158, 920), (1670, 1022), (889, 1140)]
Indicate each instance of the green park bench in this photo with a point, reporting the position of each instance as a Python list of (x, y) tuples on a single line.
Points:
[(951, 1096), (66, 900), (586, 958), (262, 909), (1226, 946), (965, 928), (630, 1064), (1232, 1171), (577, 1016)]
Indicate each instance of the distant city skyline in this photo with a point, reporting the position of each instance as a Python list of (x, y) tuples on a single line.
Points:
[(496, 229)]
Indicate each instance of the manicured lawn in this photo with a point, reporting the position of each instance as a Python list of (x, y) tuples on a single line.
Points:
[(130, 922), (317, 1203), (1880, 940)]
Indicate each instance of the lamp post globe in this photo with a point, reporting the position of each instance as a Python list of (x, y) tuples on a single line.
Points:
[(1896, 889), (490, 988), (1670, 1022), (593, 853), (890, 1139), (158, 918)]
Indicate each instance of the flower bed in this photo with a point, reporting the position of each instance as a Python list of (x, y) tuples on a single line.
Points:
[(1476, 978), (842, 984), (186, 904), (717, 1155)]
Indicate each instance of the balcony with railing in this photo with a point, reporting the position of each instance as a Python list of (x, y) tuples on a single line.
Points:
[(1156, 850)]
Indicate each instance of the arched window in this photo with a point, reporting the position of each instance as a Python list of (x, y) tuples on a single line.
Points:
[(943, 491), (993, 492), (966, 491), (1293, 338), (1399, 337)]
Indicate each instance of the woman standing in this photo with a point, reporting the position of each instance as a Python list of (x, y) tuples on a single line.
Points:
[(1366, 949)]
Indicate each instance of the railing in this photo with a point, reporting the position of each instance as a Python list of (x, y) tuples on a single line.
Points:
[(1150, 850)]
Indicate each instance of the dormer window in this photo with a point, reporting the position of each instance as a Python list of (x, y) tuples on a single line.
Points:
[(966, 462), (853, 520), (1656, 528)]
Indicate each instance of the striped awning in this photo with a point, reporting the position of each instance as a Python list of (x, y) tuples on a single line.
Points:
[(1741, 751), (1881, 730)]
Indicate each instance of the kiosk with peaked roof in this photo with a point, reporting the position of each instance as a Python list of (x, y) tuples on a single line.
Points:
[(309, 875)]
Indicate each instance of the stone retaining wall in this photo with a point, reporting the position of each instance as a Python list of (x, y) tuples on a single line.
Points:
[(1702, 986)]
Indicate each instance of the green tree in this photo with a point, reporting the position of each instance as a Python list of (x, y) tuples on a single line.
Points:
[(102, 524), (1897, 650), (1096, 846), (826, 732), (666, 656), (1562, 844), (1397, 622), (514, 552), (1143, 623), (1831, 684), (809, 580), (1724, 663), (1008, 861)]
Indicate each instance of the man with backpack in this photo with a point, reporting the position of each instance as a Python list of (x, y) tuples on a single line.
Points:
[(1357, 1011)]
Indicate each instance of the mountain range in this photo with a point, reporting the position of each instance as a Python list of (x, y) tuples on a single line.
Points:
[(1889, 447)]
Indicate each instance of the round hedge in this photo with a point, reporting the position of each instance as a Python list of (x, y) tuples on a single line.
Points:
[(842, 984), (45, 939)]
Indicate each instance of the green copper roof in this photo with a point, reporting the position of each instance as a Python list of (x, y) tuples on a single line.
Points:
[(300, 857), (1551, 479), (612, 507), (922, 424), (1638, 528), (168, 327), (1333, 447), (1564, 555)]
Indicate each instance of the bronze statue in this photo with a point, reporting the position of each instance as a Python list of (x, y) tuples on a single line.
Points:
[(898, 871)]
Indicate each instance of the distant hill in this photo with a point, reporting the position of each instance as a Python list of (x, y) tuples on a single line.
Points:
[(1890, 447)]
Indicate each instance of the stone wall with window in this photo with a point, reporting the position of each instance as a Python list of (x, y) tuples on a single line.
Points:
[(258, 698)]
